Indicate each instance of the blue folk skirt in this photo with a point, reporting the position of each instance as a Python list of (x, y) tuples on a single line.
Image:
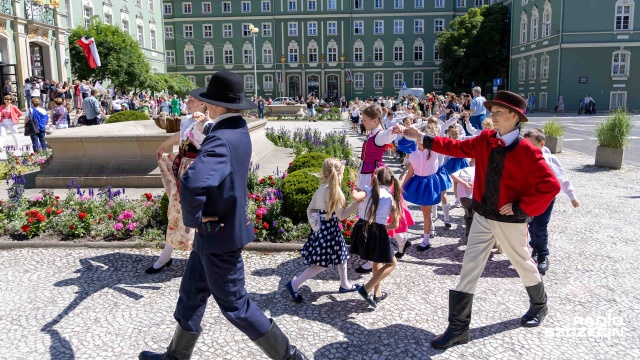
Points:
[(454, 164), (424, 190)]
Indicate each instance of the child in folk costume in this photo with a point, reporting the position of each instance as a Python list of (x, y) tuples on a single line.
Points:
[(464, 179), (423, 187), (355, 117), (538, 235), (453, 164), (371, 156), (325, 245), (504, 197), (369, 238)]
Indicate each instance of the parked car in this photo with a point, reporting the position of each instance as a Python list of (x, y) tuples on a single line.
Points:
[(282, 100)]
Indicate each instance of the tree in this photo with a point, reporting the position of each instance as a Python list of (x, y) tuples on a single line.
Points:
[(476, 47), (123, 62), (179, 84)]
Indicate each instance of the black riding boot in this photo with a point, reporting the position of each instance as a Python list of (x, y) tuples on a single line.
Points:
[(459, 319), (275, 345), (180, 348), (537, 306)]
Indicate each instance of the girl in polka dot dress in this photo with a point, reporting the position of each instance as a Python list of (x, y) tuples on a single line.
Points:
[(325, 245)]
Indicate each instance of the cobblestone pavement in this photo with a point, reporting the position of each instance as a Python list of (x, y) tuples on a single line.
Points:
[(99, 304)]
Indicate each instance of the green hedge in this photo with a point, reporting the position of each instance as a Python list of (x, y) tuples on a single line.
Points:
[(309, 160), (297, 192), (129, 115)]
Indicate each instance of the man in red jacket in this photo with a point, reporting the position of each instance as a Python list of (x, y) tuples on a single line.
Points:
[(512, 183)]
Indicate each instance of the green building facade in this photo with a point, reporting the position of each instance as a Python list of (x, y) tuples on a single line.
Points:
[(575, 48), (33, 42), (140, 18), (327, 47)]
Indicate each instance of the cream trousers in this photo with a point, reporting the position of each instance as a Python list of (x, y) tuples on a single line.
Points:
[(512, 238), (8, 125)]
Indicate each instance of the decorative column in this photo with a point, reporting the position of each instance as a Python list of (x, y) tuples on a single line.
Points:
[(283, 77), (323, 80), (303, 82), (342, 77)]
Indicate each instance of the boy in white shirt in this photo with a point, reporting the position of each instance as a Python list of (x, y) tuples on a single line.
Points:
[(538, 225), (464, 177)]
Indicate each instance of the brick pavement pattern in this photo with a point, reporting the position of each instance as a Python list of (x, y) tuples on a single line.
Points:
[(99, 304)]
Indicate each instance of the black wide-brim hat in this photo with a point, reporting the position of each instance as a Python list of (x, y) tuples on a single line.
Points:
[(511, 101), (225, 89)]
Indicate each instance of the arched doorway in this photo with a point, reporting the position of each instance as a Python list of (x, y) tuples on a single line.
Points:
[(333, 88), (294, 85), (313, 85), (36, 54)]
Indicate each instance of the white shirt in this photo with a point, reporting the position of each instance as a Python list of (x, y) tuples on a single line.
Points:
[(35, 90), (467, 175), (355, 113), (561, 175), (509, 138), (383, 137), (421, 165), (385, 205), (116, 105)]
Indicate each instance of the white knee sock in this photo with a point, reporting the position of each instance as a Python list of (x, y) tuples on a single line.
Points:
[(311, 271), (165, 256), (425, 240), (434, 211), (445, 211), (401, 241), (344, 279), (368, 265)]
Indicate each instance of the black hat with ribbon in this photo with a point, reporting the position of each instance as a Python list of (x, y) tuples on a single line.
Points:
[(225, 89), (511, 101)]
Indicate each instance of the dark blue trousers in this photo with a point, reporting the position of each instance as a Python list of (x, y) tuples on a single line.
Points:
[(476, 121), (539, 237), (220, 275)]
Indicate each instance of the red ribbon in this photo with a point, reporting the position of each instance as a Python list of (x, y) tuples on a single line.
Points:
[(511, 105), (495, 142)]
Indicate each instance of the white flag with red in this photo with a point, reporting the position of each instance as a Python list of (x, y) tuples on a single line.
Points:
[(90, 51)]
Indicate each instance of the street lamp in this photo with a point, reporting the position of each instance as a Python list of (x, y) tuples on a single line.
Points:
[(254, 31)]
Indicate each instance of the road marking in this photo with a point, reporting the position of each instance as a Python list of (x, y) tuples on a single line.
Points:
[(630, 138)]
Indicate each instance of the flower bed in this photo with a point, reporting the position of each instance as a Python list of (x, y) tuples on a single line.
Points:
[(305, 140), (27, 162)]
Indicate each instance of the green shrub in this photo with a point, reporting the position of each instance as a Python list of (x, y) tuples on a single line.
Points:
[(308, 160), (297, 192), (553, 128), (614, 132), (129, 115), (334, 110)]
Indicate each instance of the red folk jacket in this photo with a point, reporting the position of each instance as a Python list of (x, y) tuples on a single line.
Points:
[(515, 174)]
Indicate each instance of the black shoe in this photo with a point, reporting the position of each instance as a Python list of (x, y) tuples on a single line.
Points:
[(537, 306), (543, 264), (362, 270), (180, 348), (382, 297), (276, 345), (534, 256), (459, 319), (423, 247), (152, 270), (447, 225), (297, 298), (365, 295), (407, 245)]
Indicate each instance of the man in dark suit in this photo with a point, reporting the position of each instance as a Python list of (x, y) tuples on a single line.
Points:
[(214, 201)]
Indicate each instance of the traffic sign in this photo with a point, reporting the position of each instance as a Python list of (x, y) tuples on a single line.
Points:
[(497, 82), (404, 86)]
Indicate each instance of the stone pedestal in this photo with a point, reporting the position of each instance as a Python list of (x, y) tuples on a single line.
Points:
[(285, 110), (555, 144), (609, 157), (120, 154)]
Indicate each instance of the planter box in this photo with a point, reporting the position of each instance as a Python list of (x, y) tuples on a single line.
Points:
[(286, 110), (609, 157), (554, 144)]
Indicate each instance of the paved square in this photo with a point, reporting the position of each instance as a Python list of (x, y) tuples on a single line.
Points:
[(99, 304)]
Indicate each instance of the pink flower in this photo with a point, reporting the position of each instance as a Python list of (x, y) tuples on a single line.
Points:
[(37, 198), (128, 214), (261, 211), (120, 217), (340, 226), (118, 226), (132, 226), (146, 203)]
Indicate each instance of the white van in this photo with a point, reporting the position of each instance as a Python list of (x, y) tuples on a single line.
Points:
[(419, 92)]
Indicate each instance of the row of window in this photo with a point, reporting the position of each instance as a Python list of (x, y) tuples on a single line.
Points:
[(87, 13), (312, 28), (312, 56), (358, 80), (312, 5), (535, 23), (620, 65)]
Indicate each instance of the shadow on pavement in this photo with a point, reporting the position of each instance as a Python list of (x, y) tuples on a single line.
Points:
[(120, 272)]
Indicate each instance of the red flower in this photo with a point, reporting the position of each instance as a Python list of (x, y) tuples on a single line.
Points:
[(110, 216), (30, 220), (41, 217), (82, 215), (99, 220), (258, 198), (258, 216), (270, 177), (57, 197), (49, 210), (265, 225), (148, 196), (26, 228), (255, 231), (0, 202), (262, 181), (58, 211), (290, 163), (348, 233), (71, 227)]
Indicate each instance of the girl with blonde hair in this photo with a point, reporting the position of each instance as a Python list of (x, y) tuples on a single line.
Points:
[(325, 245)]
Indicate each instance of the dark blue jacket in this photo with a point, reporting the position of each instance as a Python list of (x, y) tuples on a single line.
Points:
[(216, 185)]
